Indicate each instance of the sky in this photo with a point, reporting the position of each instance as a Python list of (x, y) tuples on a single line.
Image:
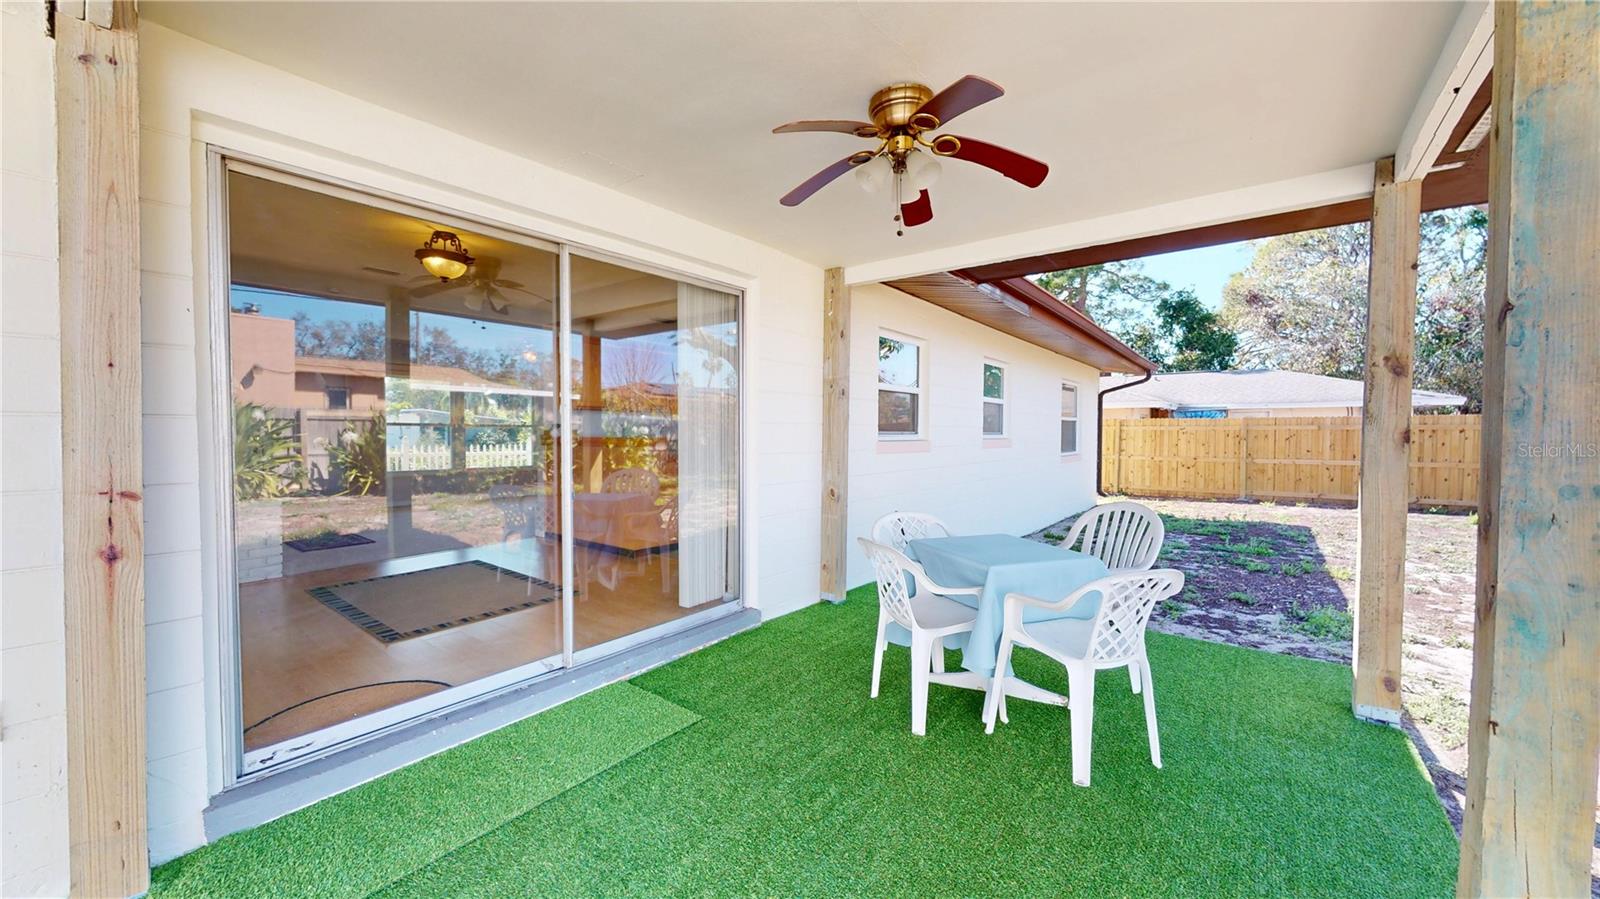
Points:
[(1205, 270)]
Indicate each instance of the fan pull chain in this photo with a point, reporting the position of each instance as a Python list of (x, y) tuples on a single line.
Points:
[(899, 218)]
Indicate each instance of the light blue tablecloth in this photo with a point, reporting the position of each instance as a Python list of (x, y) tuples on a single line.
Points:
[(1002, 564)]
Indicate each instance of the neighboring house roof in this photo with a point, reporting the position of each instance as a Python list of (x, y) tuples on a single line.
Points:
[(1258, 389), (370, 368), (1018, 307)]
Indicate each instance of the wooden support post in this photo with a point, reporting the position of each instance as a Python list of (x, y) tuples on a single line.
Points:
[(97, 134), (835, 432), (1386, 445), (1534, 730)]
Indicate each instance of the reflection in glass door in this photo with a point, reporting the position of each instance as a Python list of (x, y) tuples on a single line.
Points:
[(654, 386), (394, 457), (433, 496)]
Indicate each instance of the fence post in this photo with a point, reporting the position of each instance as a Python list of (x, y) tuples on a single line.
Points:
[(1244, 458)]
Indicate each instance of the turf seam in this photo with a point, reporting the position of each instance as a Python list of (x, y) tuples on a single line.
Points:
[(467, 845)]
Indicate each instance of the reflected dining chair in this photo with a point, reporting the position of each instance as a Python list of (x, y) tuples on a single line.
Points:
[(1126, 536), (897, 529), (909, 598), (1114, 638)]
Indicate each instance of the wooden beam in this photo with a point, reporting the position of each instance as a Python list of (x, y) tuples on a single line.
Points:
[(1462, 186), (1386, 445), (1534, 729), (835, 432), (97, 123), (1463, 66)]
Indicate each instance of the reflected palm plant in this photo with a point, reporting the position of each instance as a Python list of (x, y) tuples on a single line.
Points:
[(360, 456), (266, 454)]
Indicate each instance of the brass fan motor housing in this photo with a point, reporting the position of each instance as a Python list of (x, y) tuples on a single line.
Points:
[(894, 107)]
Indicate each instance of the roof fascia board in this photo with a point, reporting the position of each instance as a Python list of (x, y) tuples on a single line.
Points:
[(1287, 404), (1460, 70), (1305, 192)]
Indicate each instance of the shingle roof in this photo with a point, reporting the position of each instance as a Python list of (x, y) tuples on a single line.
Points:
[(1249, 390)]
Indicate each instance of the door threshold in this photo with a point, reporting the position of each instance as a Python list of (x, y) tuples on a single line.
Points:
[(263, 799)]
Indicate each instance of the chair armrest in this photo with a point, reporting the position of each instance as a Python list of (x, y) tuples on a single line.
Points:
[(927, 583), (1015, 602)]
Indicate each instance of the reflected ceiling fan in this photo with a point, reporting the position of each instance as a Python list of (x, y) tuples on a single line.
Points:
[(903, 116), (482, 282)]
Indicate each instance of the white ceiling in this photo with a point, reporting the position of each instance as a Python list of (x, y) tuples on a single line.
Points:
[(1132, 105)]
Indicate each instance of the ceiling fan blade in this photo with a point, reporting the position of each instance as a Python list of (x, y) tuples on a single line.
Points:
[(473, 301), (819, 180), (1013, 165), (842, 126), (968, 93), (917, 212), (497, 300)]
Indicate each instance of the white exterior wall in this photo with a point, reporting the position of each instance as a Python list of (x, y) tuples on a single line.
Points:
[(193, 93), (1013, 486), (33, 748)]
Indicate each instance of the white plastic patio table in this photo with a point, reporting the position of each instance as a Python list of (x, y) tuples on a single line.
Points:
[(1002, 564)]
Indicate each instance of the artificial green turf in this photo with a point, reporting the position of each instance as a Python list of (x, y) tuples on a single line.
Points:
[(795, 783), (358, 841)]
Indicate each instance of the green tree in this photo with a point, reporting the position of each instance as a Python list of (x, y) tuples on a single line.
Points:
[(1190, 337), (1167, 325), (1301, 305), (1119, 296)]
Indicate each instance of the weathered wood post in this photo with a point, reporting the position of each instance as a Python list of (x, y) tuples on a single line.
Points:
[(97, 160), (1534, 729), (1386, 445), (835, 432)]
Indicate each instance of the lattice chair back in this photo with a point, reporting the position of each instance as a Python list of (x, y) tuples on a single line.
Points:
[(509, 500), (1126, 536), (897, 529), (897, 580), (1126, 601), (631, 480)]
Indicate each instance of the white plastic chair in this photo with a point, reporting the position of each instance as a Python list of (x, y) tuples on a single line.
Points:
[(1126, 536), (897, 529), (1114, 638), (908, 597), (631, 480)]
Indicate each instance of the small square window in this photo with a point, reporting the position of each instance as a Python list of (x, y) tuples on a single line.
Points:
[(338, 397)]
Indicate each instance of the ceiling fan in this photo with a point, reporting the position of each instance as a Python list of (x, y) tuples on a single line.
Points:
[(902, 117), (483, 282)]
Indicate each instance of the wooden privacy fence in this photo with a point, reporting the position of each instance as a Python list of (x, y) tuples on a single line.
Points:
[(1282, 458)]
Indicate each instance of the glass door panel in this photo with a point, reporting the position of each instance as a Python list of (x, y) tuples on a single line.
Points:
[(654, 387), (394, 465)]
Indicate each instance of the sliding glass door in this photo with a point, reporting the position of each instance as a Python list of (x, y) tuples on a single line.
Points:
[(405, 500), (655, 412)]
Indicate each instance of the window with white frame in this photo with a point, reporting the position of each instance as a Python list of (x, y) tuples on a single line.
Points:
[(994, 399), (1069, 419), (899, 387)]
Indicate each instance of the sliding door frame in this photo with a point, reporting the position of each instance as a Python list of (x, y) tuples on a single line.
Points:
[(225, 689)]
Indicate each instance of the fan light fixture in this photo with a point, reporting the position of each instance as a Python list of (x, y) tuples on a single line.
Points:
[(444, 257), (905, 162)]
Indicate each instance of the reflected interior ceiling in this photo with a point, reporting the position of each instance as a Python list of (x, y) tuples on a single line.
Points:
[(303, 241), (1131, 104)]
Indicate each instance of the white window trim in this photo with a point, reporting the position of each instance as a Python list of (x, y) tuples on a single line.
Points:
[(919, 391), (983, 398), (1077, 395)]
